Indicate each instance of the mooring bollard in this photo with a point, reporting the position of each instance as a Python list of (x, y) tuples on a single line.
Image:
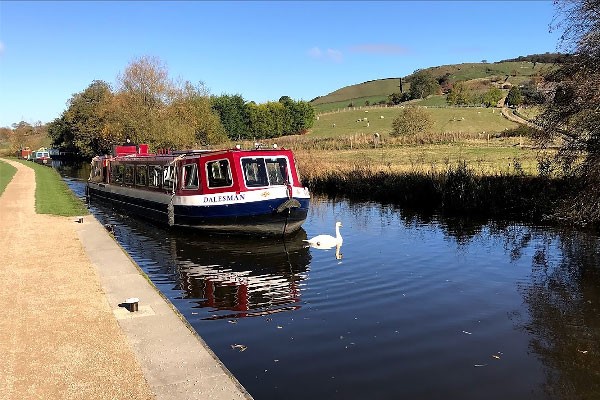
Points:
[(132, 304)]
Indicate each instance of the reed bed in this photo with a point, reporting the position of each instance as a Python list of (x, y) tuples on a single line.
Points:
[(450, 189)]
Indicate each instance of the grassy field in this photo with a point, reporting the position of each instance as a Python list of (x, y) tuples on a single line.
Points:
[(379, 87), (7, 172), (52, 195), (446, 120), (481, 158)]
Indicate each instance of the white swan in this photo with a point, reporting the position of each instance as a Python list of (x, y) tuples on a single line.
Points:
[(327, 241)]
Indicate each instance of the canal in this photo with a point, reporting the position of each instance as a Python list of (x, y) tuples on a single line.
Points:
[(411, 306)]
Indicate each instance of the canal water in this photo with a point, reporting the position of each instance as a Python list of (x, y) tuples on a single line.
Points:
[(410, 306)]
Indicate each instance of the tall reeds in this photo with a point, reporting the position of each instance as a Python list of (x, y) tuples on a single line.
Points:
[(454, 190)]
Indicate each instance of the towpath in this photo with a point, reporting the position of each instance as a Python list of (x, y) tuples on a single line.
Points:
[(62, 332)]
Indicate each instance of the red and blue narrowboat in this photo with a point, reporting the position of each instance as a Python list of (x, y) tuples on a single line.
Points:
[(229, 191)]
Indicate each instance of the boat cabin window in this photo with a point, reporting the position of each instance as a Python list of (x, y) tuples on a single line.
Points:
[(190, 176), (117, 173), (261, 171), (277, 170), (141, 175), (219, 173), (169, 177), (96, 173), (128, 175), (155, 176)]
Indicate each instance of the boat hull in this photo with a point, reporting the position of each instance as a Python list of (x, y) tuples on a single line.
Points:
[(273, 215)]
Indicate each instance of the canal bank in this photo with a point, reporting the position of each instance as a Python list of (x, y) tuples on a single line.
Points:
[(64, 330)]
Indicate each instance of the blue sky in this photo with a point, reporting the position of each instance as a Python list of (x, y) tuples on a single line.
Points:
[(261, 50)]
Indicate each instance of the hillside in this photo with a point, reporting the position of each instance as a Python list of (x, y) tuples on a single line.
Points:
[(510, 71)]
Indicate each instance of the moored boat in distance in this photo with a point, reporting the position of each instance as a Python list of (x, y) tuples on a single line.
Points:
[(232, 190), (40, 156)]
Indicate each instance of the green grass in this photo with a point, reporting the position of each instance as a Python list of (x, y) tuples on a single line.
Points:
[(379, 87), (52, 195), (359, 102), (7, 172), (447, 119)]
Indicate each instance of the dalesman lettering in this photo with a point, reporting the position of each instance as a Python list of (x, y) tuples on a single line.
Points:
[(220, 198)]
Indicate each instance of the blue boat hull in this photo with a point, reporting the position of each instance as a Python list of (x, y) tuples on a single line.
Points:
[(269, 216)]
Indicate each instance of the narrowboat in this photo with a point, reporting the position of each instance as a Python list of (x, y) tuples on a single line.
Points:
[(228, 191), (40, 156)]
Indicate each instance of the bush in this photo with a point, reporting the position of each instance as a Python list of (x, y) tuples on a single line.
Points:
[(411, 121)]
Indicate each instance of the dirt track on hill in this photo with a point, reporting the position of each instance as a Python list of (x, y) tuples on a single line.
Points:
[(58, 336)]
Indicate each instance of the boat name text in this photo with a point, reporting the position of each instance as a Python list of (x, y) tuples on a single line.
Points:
[(221, 198)]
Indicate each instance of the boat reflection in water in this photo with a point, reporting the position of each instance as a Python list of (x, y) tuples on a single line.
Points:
[(236, 277)]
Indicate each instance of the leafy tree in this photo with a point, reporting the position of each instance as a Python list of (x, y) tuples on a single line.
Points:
[(411, 121), (492, 97), (460, 94), (234, 115), (84, 125), (397, 98), (144, 90), (191, 120), (514, 97), (571, 113), (61, 134), (300, 116), (530, 94), (422, 84)]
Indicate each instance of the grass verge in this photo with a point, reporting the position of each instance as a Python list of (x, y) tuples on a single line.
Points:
[(7, 172), (52, 195)]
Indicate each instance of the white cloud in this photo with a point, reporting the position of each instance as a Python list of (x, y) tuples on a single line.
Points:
[(378, 48), (315, 52), (327, 55)]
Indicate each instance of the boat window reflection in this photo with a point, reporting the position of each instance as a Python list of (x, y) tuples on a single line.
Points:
[(128, 176), (155, 176), (169, 177), (277, 171), (219, 173), (190, 176), (117, 173), (141, 175)]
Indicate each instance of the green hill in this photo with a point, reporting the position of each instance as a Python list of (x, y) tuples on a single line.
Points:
[(371, 92)]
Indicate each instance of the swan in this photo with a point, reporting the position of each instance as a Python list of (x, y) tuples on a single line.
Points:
[(327, 241)]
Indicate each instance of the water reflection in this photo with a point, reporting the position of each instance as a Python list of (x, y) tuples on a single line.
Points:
[(248, 276), (228, 277), (563, 299)]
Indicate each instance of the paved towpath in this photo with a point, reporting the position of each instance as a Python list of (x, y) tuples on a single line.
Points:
[(62, 332)]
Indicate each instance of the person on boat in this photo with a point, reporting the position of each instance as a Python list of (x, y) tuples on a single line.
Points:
[(128, 142)]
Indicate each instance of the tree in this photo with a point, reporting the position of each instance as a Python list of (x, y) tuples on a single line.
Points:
[(84, 125), (460, 94), (514, 97), (411, 121), (571, 113), (144, 91), (234, 115), (300, 115), (190, 120), (397, 98), (492, 97), (422, 84), (531, 94)]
